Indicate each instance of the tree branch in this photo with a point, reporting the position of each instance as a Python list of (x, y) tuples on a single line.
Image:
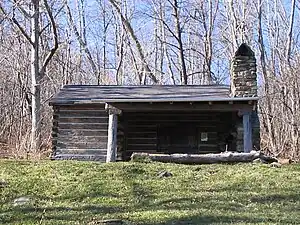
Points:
[(17, 24), (82, 43), (55, 39), (128, 27), (58, 11), (26, 14)]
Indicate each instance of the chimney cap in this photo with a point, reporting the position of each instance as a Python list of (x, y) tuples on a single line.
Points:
[(244, 50)]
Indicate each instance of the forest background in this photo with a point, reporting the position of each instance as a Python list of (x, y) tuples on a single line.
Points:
[(45, 44)]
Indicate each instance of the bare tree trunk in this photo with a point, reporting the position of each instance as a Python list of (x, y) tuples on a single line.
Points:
[(268, 109), (179, 39), (147, 70), (161, 46), (233, 26), (293, 84), (290, 33), (83, 44), (35, 79), (164, 44), (208, 24), (105, 27), (119, 36), (37, 71)]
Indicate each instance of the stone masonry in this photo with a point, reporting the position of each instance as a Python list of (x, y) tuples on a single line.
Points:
[(243, 73), (244, 84)]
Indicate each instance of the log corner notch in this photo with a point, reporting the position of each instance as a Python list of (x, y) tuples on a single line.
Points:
[(112, 132)]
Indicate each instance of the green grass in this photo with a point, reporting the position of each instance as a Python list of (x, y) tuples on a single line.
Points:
[(69, 192)]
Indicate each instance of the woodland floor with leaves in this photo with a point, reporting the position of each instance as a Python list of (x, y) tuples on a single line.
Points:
[(70, 192)]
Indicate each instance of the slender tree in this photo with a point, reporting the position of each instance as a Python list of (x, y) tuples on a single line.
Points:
[(37, 68)]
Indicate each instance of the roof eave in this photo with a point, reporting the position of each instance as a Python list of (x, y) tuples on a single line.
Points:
[(222, 99), (103, 101)]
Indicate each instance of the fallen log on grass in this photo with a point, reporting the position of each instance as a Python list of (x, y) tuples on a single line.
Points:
[(224, 157)]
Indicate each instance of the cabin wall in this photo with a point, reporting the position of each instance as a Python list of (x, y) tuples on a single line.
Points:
[(178, 132), (80, 132)]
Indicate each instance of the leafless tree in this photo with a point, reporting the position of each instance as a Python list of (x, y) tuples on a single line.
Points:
[(37, 71), (153, 42)]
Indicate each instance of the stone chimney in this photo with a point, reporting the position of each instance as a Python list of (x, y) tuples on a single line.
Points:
[(243, 73)]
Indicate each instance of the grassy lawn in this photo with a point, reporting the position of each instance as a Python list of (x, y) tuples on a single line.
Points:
[(69, 192)]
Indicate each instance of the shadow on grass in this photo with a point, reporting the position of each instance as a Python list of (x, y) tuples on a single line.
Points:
[(143, 203), (65, 214), (209, 219), (195, 203), (141, 196), (141, 199), (273, 198)]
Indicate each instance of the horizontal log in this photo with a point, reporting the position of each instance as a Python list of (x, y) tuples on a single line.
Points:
[(179, 120), (145, 147), (82, 113), (188, 150), (83, 132), (224, 157), (82, 107), (143, 129), (129, 153), (149, 134), (82, 145), (207, 145), (141, 141), (182, 118), (83, 120), (182, 107), (83, 126), (195, 127), (176, 115), (100, 158), (73, 138), (141, 125), (208, 151), (176, 123), (81, 151)]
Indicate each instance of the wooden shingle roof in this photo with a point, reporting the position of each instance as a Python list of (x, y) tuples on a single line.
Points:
[(76, 94)]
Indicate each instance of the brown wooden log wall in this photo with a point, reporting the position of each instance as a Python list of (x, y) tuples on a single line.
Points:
[(144, 131), (80, 132)]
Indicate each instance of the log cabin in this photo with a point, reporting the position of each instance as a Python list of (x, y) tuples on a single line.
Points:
[(110, 122)]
